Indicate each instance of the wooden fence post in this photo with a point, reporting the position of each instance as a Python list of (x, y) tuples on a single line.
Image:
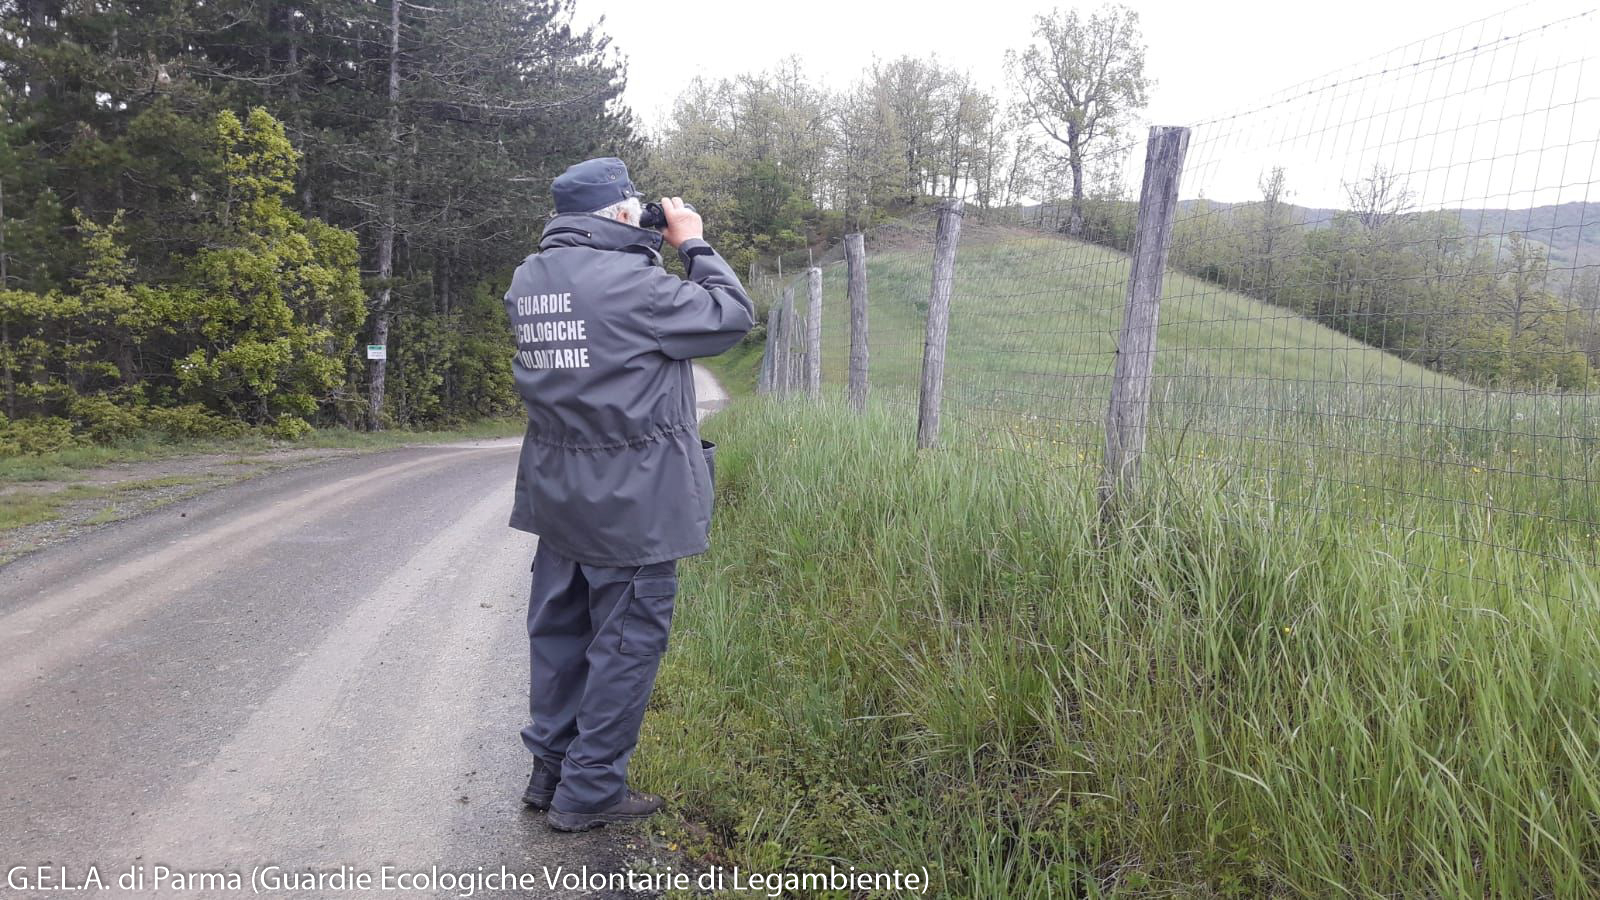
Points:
[(1128, 413), (814, 332), (944, 270), (768, 351), (797, 341), (782, 365), (855, 258)]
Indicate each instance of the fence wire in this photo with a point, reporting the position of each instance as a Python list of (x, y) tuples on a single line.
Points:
[(1382, 305)]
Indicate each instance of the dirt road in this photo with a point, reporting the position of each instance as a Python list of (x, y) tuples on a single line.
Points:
[(323, 667)]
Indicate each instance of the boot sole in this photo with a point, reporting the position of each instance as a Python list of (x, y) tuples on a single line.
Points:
[(540, 802), (571, 822)]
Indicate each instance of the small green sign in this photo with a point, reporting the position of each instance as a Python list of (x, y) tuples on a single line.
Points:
[(377, 351)]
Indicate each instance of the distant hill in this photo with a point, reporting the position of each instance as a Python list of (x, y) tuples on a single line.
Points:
[(1570, 232)]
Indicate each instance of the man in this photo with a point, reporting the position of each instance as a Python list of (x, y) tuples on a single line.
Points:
[(613, 476)]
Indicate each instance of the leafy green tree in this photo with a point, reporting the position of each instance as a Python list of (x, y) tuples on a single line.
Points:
[(276, 299), (1081, 80)]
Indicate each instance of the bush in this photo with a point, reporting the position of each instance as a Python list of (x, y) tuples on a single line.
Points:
[(191, 420), (288, 428), (40, 435), (103, 421)]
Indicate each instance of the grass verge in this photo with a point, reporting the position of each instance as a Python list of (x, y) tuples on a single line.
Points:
[(27, 504), (62, 464), (893, 660), (738, 369)]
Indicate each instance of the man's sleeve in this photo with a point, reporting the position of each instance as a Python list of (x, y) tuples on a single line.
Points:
[(704, 315)]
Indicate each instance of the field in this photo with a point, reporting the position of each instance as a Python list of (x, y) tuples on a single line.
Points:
[(1347, 643)]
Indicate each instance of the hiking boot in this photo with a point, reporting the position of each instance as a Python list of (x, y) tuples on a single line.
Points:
[(541, 786), (635, 806)]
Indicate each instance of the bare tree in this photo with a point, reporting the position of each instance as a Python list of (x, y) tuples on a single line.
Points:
[(1524, 270), (1274, 221), (1379, 198), (1081, 82)]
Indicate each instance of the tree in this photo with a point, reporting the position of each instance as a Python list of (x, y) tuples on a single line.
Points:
[(1379, 198), (1271, 229), (865, 162), (749, 153), (1005, 160), (271, 307), (905, 90), (1587, 292), (1081, 81), (1524, 268)]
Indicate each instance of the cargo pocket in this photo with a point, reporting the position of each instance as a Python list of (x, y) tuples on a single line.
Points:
[(649, 616)]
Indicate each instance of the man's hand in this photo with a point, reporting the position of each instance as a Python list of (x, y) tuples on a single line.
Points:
[(683, 224)]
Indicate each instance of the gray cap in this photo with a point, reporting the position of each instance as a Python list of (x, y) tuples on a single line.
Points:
[(592, 184)]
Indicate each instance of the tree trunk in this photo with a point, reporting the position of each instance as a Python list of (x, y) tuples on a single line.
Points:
[(380, 326), (127, 371), (1075, 217), (298, 107), (444, 287)]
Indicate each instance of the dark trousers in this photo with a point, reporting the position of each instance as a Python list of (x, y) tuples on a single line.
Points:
[(596, 635)]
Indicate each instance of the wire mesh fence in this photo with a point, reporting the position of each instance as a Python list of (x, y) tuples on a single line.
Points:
[(1381, 306)]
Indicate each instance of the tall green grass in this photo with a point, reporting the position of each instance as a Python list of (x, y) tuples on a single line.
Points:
[(893, 659)]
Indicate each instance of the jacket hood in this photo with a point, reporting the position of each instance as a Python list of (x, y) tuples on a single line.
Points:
[(590, 230)]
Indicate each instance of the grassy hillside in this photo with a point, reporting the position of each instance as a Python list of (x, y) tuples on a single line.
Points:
[(895, 660), (1030, 308), (1297, 410)]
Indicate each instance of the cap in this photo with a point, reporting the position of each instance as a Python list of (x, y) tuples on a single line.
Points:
[(592, 184)]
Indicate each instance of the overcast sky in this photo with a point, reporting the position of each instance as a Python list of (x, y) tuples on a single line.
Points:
[(1211, 58)]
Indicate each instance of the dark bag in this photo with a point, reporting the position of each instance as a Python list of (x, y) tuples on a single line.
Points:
[(710, 450)]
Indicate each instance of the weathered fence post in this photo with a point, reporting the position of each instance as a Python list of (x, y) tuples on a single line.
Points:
[(1128, 413), (855, 258), (814, 332), (944, 270), (769, 351), (782, 365), (791, 352)]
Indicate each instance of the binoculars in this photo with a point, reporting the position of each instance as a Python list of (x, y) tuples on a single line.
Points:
[(655, 217)]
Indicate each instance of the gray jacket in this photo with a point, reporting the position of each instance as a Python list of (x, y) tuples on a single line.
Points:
[(612, 470)]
